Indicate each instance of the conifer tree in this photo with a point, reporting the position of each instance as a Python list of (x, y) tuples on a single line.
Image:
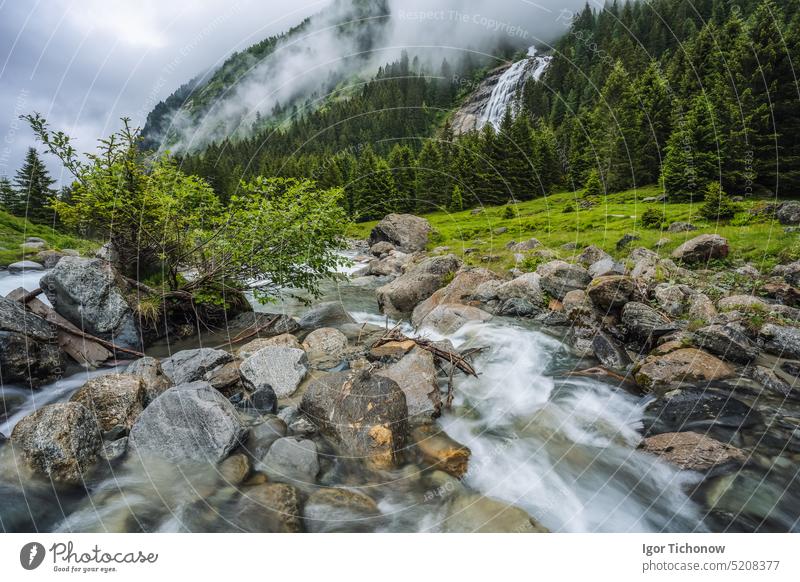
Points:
[(8, 197), (432, 190), (401, 162), (33, 185), (456, 200)]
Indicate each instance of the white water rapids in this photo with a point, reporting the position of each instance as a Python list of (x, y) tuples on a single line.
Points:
[(505, 92)]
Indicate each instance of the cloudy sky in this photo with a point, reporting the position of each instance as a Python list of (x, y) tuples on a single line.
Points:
[(84, 64)]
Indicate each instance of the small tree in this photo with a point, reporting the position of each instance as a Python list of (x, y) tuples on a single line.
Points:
[(8, 196), (717, 205), (653, 217), (593, 186), (456, 200), (34, 188)]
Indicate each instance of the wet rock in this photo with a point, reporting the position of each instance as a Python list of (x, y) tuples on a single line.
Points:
[(381, 249), (189, 422), (340, 510), (478, 514), (440, 451), (729, 342), (325, 347), (781, 340), (235, 469), (643, 322), (291, 460), (116, 400), (285, 340), (59, 441), (460, 290), (263, 435), (688, 365), (281, 369), (326, 314), (611, 291), (770, 380), (527, 288), (702, 248), (88, 294), (152, 375), (415, 374), (447, 318), (269, 508), (559, 278), (518, 307), (406, 232), (419, 282), (302, 427), (114, 451), (28, 349), (698, 410), (262, 401), (692, 451), (365, 415), (24, 267), (681, 227), (609, 352), (193, 365), (267, 324)]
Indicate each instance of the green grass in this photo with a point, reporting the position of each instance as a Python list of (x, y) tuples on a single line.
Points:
[(14, 231), (762, 242)]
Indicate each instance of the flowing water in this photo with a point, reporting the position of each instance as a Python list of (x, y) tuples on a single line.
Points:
[(510, 83), (561, 447)]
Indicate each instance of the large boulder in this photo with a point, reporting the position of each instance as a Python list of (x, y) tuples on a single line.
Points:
[(448, 318), (440, 451), (88, 293), (461, 289), (116, 400), (522, 296), (193, 365), (559, 278), (327, 314), (325, 347), (660, 373), (691, 450), (420, 281), (406, 232), (781, 340), (611, 292), (728, 341), (364, 415), (60, 441), (24, 267), (190, 422), (291, 460), (699, 410), (415, 373), (285, 340), (702, 248), (28, 349), (788, 213), (278, 368)]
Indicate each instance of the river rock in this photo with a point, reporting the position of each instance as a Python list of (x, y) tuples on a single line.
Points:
[(59, 441), (89, 295), (29, 352), (698, 410), (415, 374), (611, 291), (728, 341), (474, 513), (692, 451), (688, 365), (193, 365), (340, 510), (558, 278), (291, 460), (155, 381), (262, 401), (702, 248), (448, 318), (263, 435), (381, 249), (189, 422), (419, 282), (116, 400), (235, 469), (24, 267), (266, 324), (609, 352), (285, 340), (327, 314), (643, 322), (770, 380), (365, 415), (781, 340), (522, 296), (49, 259), (281, 369), (460, 290), (325, 347), (440, 451), (406, 232), (269, 508)]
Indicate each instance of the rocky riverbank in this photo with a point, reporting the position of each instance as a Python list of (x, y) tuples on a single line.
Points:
[(325, 423)]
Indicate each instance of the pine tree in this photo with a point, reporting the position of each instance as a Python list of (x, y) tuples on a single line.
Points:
[(456, 200), (432, 190), (716, 204), (34, 189), (593, 187), (545, 156), (401, 162), (8, 197)]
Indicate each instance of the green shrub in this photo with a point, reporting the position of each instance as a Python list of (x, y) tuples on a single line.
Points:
[(717, 205), (653, 217)]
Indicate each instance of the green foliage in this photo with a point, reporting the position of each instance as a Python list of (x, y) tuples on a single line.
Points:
[(33, 189), (456, 200), (593, 187), (653, 217), (717, 205), (509, 211)]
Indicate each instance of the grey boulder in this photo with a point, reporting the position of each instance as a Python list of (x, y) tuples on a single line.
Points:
[(279, 368)]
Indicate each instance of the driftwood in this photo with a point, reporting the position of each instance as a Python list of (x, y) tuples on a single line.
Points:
[(91, 350), (250, 332)]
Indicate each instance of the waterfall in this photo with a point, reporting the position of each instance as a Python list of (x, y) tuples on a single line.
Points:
[(510, 83)]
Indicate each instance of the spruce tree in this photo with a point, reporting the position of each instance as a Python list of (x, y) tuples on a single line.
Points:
[(432, 190), (401, 162), (33, 185), (8, 197), (456, 200)]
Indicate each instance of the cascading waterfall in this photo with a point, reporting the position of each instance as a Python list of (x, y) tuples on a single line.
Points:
[(510, 83)]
